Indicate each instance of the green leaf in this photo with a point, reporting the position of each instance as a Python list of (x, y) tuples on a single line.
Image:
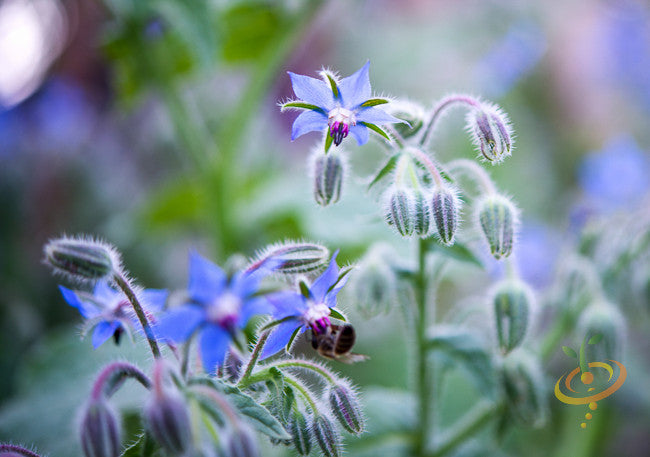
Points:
[(336, 315), (293, 337), (386, 169), (457, 251), (570, 352), (376, 129), (250, 29), (374, 102), (328, 140), (457, 344), (303, 105), (260, 417), (335, 88), (304, 289), (144, 446), (596, 338)]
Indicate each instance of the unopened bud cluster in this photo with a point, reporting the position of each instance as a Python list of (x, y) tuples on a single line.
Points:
[(498, 219), (524, 388), (604, 318), (82, 259), (373, 285), (293, 257), (491, 132), (101, 432), (511, 300), (328, 172)]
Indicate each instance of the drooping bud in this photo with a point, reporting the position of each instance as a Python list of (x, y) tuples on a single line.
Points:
[(512, 301), (240, 442), (292, 258), (422, 214), (373, 284), (607, 320), (328, 172), (13, 450), (81, 259), (168, 421), (300, 433), (347, 408), (523, 383), (498, 218), (412, 113), (577, 280), (491, 132), (445, 206), (400, 209), (327, 437), (100, 430)]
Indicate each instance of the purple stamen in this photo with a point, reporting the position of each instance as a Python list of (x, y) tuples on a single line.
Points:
[(339, 131)]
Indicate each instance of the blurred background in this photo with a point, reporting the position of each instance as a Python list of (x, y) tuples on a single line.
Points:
[(154, 125)]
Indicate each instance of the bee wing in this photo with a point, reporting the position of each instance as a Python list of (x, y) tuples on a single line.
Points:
[(352, 357)]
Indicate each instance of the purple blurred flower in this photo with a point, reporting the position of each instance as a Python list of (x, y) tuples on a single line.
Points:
[(109, 311), (343, 107), (616, 176), (300, 312), (218, 307), (511, 59), (537, 252)]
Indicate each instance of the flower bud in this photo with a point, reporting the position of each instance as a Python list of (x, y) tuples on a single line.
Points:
[(400, 209), (422, 214), (293, 257), (81, 259), (100, 430), (347, 408), (168, 421), (577, 280), (373, 284), (498, 219), (605, 319), (445, 206), (523, 383), (300, 433), (491, 132), (241, 442), (328, 171), (326, 436), (412, 113), (512, 301)]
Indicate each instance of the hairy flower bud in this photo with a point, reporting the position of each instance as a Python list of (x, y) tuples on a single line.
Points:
[(512, 301), (373, 284), (292, 258), (577, 280), (81, 259), (326, 436), (168, 421), (491, 132), (240, 442), (100, 430), (328, 172), (422, 214), (400, 210), (445, 206), (300, 433), (523, 383), (347, 408), (498, 218), (607, 320)]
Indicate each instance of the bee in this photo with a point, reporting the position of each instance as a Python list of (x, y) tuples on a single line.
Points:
[(336, 343)]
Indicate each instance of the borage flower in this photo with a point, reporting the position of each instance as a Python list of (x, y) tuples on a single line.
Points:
[(218, 307), (310, 309), (341, 107), (108, 310)]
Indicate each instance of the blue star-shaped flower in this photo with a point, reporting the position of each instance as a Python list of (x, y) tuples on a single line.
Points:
[(304, 312), (217, 307), (109, 311), (342, 107)]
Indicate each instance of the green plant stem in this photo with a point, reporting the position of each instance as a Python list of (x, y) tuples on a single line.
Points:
[(255, 355), (123, 283), (306, 364), (303, 391), (438, 110), (424, 372), (471, 423)]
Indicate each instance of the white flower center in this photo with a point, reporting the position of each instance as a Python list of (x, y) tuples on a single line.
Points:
[(341, 116), (224, 310)]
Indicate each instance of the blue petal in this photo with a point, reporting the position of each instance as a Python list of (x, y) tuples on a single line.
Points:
[(206, 279), (308, 121), (179, 323), (253, 306), (329, 277), (360, 133), (375, 115), (279, 337), (154, 299), (87, 310), (103, 331), (286, 304), (104, 293), (355, 89), (214, 344), (330, 298), (312, 91)]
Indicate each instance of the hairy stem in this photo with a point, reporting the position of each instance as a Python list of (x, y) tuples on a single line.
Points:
[(112, 377), (477, 173), (424, 373), (306, 364), (429, 165), (124, 284), (443, 104), (14, 449), (255, 354)]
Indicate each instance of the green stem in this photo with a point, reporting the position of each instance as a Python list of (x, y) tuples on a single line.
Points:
[(424, 374), (255, 354), (438, 110), (479, 175), (303, 391), (471, 423), (126, 287), (299, 363), (429, 165)]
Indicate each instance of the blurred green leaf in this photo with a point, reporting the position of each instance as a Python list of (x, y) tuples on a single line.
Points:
[(177, 204), (457, 251), (387, 168), (570, 352), (594, 339)]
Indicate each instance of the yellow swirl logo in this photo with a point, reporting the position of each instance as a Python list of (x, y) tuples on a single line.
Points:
[(614, 373)]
